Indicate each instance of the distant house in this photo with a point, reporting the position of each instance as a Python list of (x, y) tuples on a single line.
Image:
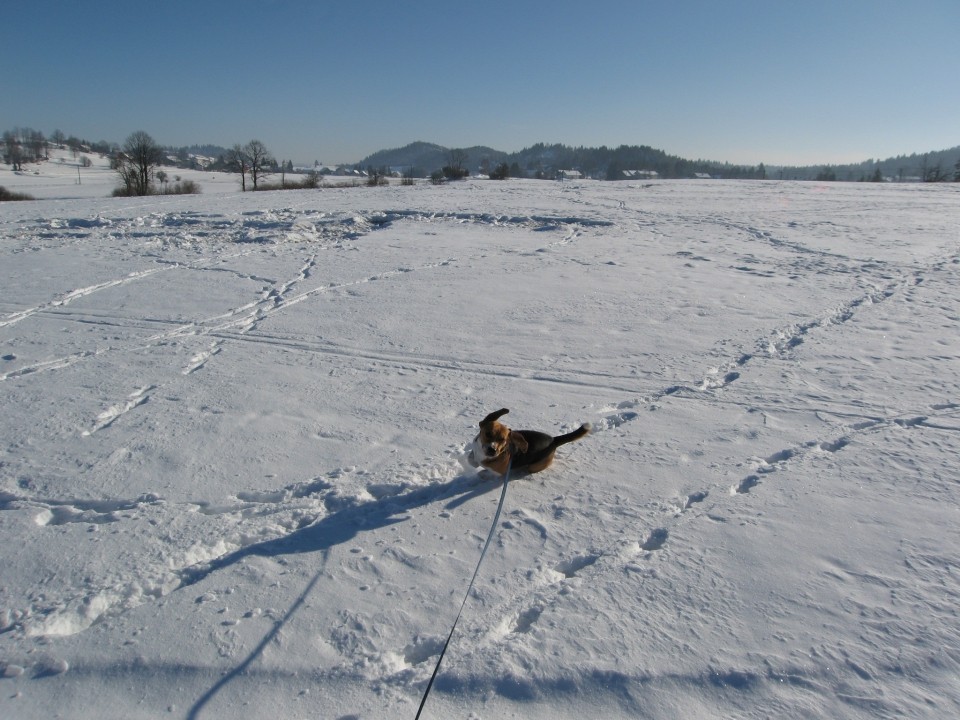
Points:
[(641, 174), (703, 176), (570, 175), (339, 171)]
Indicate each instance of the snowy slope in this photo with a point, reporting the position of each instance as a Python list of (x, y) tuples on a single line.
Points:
[(231, 472), (64, 176)]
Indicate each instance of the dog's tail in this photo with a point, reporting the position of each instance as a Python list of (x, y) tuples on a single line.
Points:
[(571, 436)]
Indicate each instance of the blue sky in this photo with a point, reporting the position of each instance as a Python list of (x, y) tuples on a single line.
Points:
[(744, 81)]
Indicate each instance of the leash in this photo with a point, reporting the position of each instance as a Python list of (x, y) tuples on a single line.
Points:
[(493, 527)]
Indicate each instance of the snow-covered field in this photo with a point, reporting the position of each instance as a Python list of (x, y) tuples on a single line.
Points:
[(64, 177), (231, 478)]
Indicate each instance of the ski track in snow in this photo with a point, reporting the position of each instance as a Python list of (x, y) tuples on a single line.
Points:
[(245, 319), (241, 321), (238, 323), (277, 296), (282, 512)]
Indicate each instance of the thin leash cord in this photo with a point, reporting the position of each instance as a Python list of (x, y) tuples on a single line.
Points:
[(493, 527)]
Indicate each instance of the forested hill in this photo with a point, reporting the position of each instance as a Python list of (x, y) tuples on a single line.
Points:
[(542, 160), (428, 157)]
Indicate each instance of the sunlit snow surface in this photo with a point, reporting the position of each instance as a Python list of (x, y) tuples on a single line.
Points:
[(232, 480)]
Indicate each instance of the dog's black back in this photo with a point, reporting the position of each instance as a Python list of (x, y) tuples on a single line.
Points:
[(541, 445)]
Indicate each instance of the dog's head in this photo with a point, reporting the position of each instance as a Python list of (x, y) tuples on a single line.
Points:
[(495, 438)]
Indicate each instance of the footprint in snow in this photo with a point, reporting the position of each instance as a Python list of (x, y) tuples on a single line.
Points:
[(834, 446), (780, 457), (751, 481), (614, 420), (695, 498), (570, 568), (526, 619), (656, 540)]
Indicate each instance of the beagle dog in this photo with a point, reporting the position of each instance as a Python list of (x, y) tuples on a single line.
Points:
[(497, 447)]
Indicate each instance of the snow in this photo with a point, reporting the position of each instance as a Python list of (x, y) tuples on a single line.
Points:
[(63, 176), (232, 480)]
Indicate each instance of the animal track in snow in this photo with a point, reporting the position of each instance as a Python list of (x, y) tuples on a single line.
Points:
[(910, 422), (719, 378), (776, 459), (623, 413), (778, 344), (295, 491), (529, 518), (785, 339), (201, 358), (89, 512), (656, 540), (747, 484), (834, 446), (270, 226), (770, 464), (422, 649), (112, 413), (526, 619), (569, 568), (683, 503), (522, 621), (616, 420), (72, 295), (694, 498), (251, 519)]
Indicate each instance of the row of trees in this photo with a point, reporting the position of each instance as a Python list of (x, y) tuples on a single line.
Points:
[(928, 173), (25, 145), (140, 157), (252, 160), (138, 164), (621, 163), (138, 160), (936, 172)]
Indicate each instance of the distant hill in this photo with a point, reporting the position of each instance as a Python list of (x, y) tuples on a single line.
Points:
[(424, 157), (545, 160), (542, 160), (930, 166)]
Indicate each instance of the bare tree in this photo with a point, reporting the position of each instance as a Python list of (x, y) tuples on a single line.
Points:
[(457, 169), (58, 138), (259, 161), (236, 161), (933, 173), (137, 162), (13, 150), (38, 145)]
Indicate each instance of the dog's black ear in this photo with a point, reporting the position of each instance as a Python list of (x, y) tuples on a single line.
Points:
[(494, 416), (518, 442)]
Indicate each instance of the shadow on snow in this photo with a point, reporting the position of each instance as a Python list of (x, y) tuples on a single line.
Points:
[(332, 530)]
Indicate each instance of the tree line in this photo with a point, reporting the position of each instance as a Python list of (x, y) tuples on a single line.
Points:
[(628, 162), (26, 145), (138, 160)]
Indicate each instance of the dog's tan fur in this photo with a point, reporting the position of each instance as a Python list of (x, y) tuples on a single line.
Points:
[(528, 450)]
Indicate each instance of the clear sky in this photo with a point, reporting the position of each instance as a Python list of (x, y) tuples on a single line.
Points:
[(744, 81)]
